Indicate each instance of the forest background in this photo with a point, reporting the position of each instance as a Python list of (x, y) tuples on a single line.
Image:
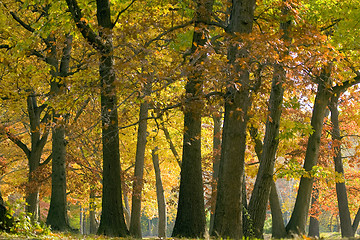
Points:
[(119, 114)]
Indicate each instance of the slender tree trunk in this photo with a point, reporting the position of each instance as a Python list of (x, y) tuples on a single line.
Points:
[(190, 218), (260, 195), (135, 224), (299, 215), (37, 145), (344, 213), (278, 226), (127, 209), (228, 211), (216, 165), (314, 227), (160, 196), (92, 210), (356, 221)]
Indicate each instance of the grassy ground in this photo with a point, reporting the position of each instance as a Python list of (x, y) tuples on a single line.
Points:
[(72, 236)]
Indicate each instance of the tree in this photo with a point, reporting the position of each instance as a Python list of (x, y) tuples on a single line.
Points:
[(135, 224), (112, 218), (160, 196), (190, 218), (344, 213), (228, 217)]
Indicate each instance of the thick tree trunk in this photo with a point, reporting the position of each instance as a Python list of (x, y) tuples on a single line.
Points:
[(190, 218), (112, 221), (216, 165), (299, 215), (344, 213), (57, 216), (160, 196), (314, 227), (260, 195), (135, 224), (228, 211), (278, 226)]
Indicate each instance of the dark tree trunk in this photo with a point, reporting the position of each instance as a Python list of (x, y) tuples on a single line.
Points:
[(37, 145), (160, 196), (344, 213), (356, 221), (112, 221), (135, 224), (190, 218), (264, 180), (57, 216), (314, 227), (228, 211), (260, 195), (299, 215), (278, 226), (216, 165)]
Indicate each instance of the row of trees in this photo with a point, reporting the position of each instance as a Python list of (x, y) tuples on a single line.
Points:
[(255, 81)]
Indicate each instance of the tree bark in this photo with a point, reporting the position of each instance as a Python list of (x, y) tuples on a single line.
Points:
[(344, 213), (92, 210), (57, 216), (112, 221), (216, 165), (260, 195), (37, 145), (160, 196), (278, 226), (299, 215), (190, 218), (314, 227), (228, 211), (356, 221), (135, 224)]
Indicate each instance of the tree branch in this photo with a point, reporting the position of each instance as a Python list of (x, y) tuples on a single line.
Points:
[(47, 160), (81, 23), (121, 12), (21, 22)]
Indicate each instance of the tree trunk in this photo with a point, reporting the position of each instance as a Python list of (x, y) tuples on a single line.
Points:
[(127, 209), (299, 215), (356, 221), (92, 210), (112, 221), (228, 211), (135, 224), (190, 218), (57, 216), (314, 230), (37, 145), (260, 195), (278, 226), (344, 213), (160, 196), (216, 165)]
